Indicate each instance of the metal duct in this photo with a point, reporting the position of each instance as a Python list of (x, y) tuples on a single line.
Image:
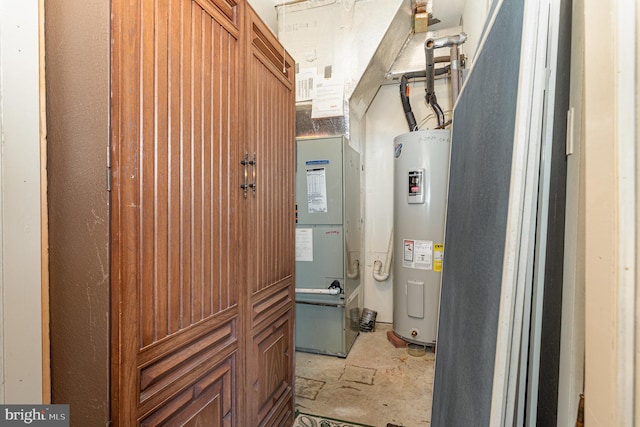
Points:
[(388, 50), (359, 39)]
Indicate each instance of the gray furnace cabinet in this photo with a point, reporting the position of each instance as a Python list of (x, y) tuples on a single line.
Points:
[(328, 291)]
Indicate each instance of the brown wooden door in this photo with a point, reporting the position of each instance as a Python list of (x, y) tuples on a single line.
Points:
[(176, 297), (267, 118)]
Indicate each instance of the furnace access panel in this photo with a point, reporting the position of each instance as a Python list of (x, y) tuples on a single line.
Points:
[(327, 245)]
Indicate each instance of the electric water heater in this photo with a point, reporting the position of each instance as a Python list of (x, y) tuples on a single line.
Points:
[(421, 170)]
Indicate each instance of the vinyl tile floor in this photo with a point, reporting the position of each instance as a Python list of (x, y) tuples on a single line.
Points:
[(375, 384)]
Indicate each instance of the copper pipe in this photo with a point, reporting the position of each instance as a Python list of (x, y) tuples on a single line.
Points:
[(439, 59)]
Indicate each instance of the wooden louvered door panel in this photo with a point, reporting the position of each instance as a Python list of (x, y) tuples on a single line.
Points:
[(268, 123), (176, 301)]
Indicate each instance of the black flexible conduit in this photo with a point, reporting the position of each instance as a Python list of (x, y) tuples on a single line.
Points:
[(406, 105), (439, 113), (411, 119)]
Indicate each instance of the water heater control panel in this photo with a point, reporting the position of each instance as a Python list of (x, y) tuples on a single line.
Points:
[(416, 186)]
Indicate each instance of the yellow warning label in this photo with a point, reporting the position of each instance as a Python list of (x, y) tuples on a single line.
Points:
[(438, 256)]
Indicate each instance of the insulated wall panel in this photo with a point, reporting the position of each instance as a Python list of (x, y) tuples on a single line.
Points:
[(479, 182)]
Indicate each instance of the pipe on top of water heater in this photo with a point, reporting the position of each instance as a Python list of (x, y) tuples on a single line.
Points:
[(430, 72), (404, 94), (452, 42), (430, 95), (404, 97)]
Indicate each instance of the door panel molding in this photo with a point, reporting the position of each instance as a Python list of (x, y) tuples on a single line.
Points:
[(225, 10), (272, 354), (271, 303), (225, 321), (266, 49), (187, 361), (207, 401)]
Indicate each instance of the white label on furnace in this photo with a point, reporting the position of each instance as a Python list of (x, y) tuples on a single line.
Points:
[(304, 244), (316, 190), (418, 254)]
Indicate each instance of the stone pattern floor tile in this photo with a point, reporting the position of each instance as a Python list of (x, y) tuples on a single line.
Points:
[(307, 388), (375, 384), (358, 374)]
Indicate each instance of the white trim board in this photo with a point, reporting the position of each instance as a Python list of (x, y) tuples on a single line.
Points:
[(20, 202)]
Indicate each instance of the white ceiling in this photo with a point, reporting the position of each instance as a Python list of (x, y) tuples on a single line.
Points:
[(449, 12)]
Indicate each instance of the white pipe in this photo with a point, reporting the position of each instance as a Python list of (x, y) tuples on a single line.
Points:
[(353, 267), (353, 270), (377, 265), (332, 291)]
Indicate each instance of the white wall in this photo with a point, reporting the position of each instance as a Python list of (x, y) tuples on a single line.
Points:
[(266, 9), (20, 256), (341, 34), (384, 121), (473, 20)]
